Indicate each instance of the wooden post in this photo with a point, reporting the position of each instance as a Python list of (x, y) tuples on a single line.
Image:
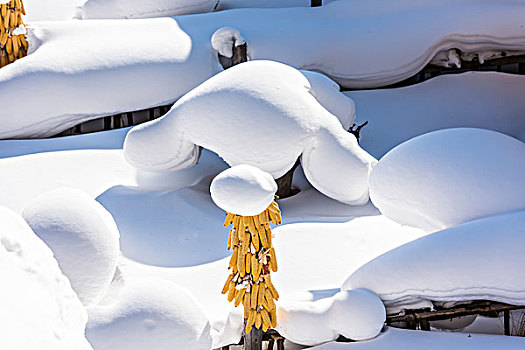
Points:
[(280, 344), (284, 183), (270, 344), (107, 123), (506, 322), (240, 54), (129, 117), (253, 340), (424, 325)]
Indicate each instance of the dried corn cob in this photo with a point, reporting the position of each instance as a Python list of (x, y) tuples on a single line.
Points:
[(13, 45), (252, 260)]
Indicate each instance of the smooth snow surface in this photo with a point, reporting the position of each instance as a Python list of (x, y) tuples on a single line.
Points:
[(478, 260), (111, 139), (447, 177), (356, 314), (487, 100), (243, 190), (149, 314), (92, 171), (144, 9), (260, 113), (394, 338), (83, 237), (39, 308)]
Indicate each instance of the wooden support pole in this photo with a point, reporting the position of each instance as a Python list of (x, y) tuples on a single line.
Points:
[(270, 344), (284, 183), (240, 54), (280, 344), (506, 322), (129, 117), (107, 123), (151, 113), (424, 325), (254, 339)]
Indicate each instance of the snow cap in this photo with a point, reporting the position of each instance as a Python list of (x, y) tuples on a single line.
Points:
[(243, 190), (448, 177)]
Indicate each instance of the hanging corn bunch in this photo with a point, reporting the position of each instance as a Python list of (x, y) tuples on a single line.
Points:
[(13, 43), (253, 257)]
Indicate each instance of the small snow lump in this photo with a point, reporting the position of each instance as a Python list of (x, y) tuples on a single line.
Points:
[(356, 314), (243, 190)]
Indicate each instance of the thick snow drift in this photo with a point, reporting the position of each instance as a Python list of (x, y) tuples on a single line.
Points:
[(447, 177), (260, 113), (243, 190), (361, 44), (39, 308), (150, 314), (83, 237), (481, 259), (356, 314), (77, 71), (487, 100), (144, 9)]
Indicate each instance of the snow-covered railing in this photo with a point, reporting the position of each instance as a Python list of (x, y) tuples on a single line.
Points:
[(419, 319), (511, 64)]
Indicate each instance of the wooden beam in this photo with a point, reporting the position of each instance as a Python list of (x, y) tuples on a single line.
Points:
[(506, 322), (445, 314)]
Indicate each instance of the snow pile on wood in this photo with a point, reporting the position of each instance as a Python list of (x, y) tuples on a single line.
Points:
[(144, 9), (260, 113), (243, 190), (478, 260), (76, 72), (39, 308), (356, 314), (83, 237), (150, 314), (447, 177)]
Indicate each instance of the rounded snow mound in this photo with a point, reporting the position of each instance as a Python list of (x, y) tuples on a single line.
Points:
[(105, 9), (150, 314), (243, 190), (356, 314), (39, 308), (83, 237), (264, 114), (447, 177), (479, 260)]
